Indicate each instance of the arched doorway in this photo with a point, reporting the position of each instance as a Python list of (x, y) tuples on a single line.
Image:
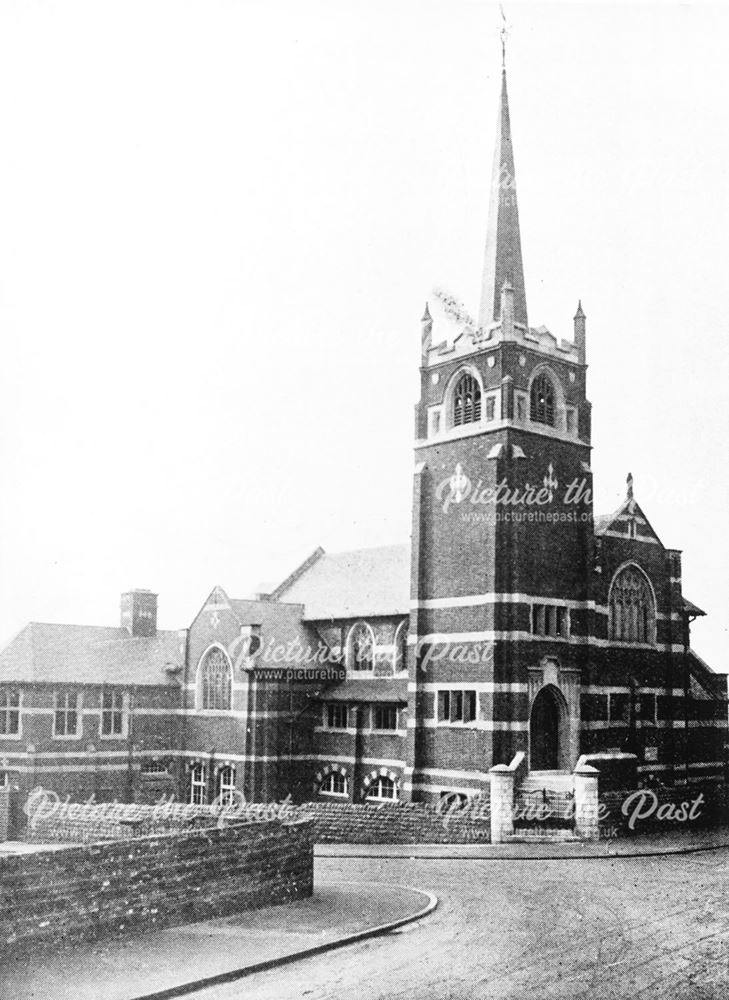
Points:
[(545, 731)]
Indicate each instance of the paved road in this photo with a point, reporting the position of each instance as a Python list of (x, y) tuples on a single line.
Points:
[(552, 930)]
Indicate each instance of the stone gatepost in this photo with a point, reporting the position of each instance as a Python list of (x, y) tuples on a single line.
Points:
[(586, 802), (502, 803)]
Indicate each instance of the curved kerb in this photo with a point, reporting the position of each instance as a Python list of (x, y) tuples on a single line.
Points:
[(271, 963)]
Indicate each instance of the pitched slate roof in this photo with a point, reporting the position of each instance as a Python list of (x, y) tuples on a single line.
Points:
[(89, 654), (617, 521), (365, 582)]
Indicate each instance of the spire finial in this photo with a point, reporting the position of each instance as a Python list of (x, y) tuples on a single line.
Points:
[(629, 481), (504, 35)]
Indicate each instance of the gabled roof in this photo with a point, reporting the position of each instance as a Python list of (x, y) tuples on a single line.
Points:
[(617, 524), (713, 684), (692, 609), (89, 654), (365, 582)]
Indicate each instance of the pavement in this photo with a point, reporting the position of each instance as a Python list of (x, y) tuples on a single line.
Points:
[(676, 841), (180, 960)]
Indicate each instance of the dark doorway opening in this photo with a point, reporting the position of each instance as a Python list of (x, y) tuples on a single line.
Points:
[(544, 732)]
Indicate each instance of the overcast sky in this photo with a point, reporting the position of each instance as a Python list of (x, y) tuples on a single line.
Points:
[(219, 222)]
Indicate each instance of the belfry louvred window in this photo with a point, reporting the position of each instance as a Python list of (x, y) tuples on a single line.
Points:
[(541, 400), (466, 401)]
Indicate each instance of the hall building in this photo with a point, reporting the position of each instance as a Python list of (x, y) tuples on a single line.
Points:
[(515, 620)]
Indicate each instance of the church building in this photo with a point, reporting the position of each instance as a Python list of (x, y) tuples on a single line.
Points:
[(515, 620)]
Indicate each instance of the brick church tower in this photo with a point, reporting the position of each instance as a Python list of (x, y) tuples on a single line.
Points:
[(503, 541)]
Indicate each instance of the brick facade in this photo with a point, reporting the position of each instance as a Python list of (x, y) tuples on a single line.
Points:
[(516, 622)]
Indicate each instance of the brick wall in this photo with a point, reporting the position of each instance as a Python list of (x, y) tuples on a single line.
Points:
[(657, 816), (53, 898), (397, 823)]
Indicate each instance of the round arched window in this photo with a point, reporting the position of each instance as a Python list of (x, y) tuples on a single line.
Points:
[(466, 401), (361, 648), (541, 400)]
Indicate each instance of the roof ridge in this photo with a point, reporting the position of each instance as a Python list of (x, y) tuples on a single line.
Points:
[(107, 628), (369, 548)]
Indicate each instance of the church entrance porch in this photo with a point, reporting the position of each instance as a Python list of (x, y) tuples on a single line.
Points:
[(547, 723)]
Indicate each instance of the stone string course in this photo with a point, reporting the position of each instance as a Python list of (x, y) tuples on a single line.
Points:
[(56, 897)]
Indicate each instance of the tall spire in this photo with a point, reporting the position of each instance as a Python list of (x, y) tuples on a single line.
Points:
[(503, 261)]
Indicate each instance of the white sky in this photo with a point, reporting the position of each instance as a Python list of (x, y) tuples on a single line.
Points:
[(219, 222)]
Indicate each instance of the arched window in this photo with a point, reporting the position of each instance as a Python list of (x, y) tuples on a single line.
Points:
[(215, 680), (632, 607), (225, 786), (382, 788), (466, 401), (541, 399), (401, 645), (361, 648), (197, 784), (334, 784)]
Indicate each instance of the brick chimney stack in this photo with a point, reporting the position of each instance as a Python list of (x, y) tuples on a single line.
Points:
[(139, 613)]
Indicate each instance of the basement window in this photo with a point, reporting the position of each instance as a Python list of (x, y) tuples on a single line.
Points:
[(334, 784), (152, 767), (382, 789)]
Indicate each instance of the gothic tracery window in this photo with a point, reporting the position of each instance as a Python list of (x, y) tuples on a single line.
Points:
[(632, 608), (215, 681), (541, 400), (466, 401), (361, 647)]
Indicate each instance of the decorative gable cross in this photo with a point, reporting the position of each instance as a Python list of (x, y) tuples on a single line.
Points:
[(632, 528), (550, 482)]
